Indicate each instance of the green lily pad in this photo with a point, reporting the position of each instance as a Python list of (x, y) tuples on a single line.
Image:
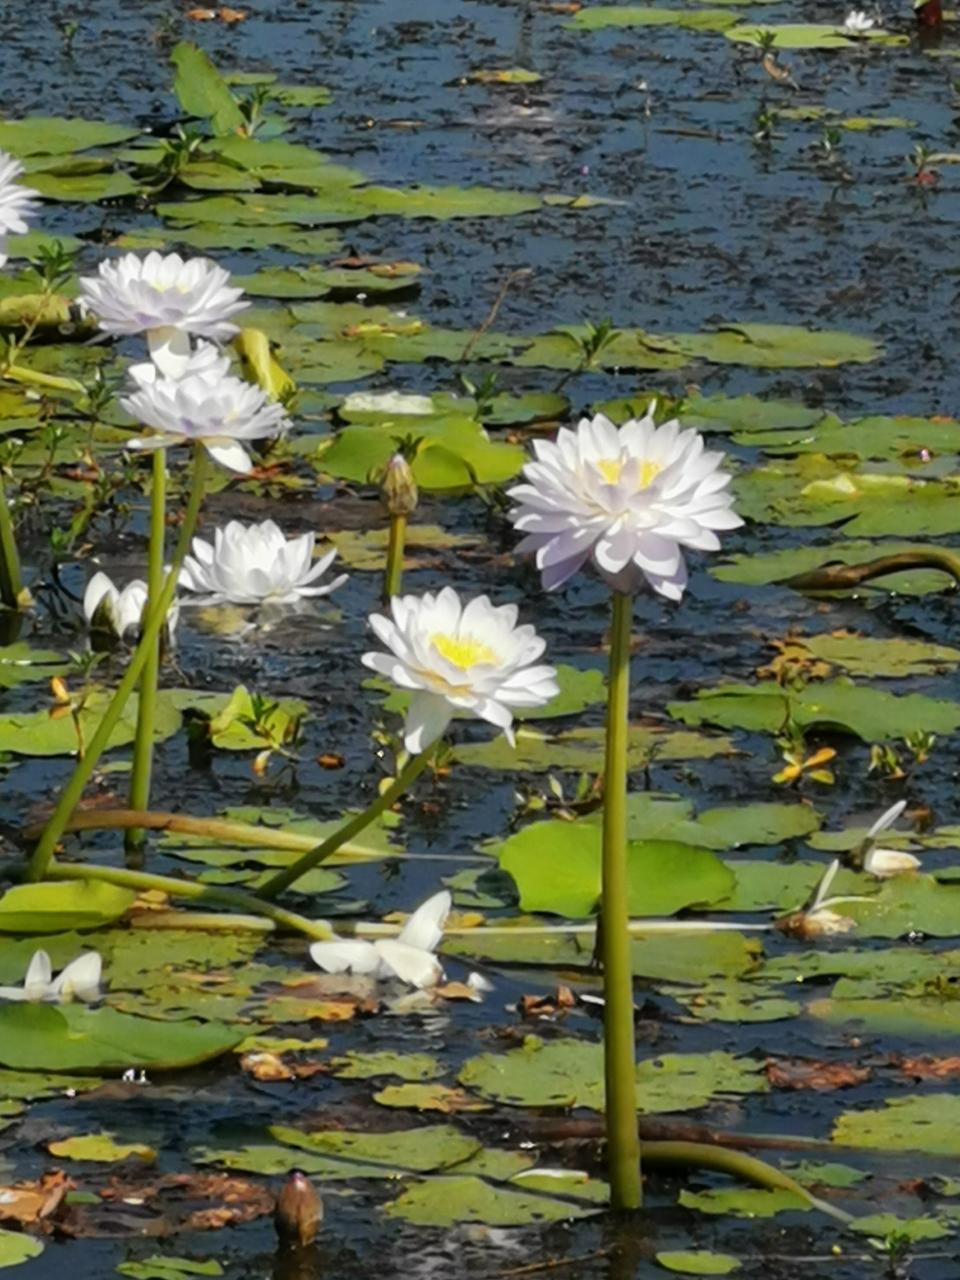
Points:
[(584, 749), (835, 705), (810, 1173), (746, 413), (697, 1262), (19, 663), (882, 1225), (16, 1247), (774, 566), (367, 1066), (55, 135), (929, 1123), (412, 1150), (444, 1202), (166, 1267), (913, 1018), (809, 35), (33, 733), (365, 550), (454, 453), (744, 1202), (596, 17), (215, 236), (569, 1073), (85, 188), (896, 656), (102, 1147), (72, 1038), (54, 907)]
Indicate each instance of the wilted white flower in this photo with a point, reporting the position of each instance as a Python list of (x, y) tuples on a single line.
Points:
[(120, 613), (209, 408), (15, 202), (80, 980), (409, 957), (886, 863), (817, 919), (627, 498), (857, 22), (252, 564), (165, 297), (468, 660)]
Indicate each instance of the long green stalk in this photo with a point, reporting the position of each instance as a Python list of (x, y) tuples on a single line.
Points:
[(393, 575), (283, 879), (143, 881), (11, 582), (623, 1147), (73, 791), (147, 704)]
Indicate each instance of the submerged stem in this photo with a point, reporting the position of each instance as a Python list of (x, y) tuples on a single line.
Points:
[(337, 839), (146, 707), (143, 881), (72, 792), (623, 1147)]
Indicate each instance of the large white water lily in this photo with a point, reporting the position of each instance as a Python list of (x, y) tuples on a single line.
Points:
[(15, 202), (409, 957), (209, 408), (80, 980), (627, 498), (118, 613), (858, 23), (886, 863), (459, 660), (166, 297), (256, 563)]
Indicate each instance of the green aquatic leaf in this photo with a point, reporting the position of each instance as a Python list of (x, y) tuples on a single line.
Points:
[(202, 91), (505, 75), (84, 187), (420, 1150), (569, 1073), (913, 1018), (443, 1202), (597, 17), (19, 663), (882, 1225), (697, 1262), (17, 1247), (871, 439), (163, 1267), (896, 656), (810, 1173), (809, 35), (836, 705), (775, 346), (556, 867), (771, 567), (53, 907), (73, 1038), (584, 749), (33, 733), (928, 1122), (746, 413), (56, 135), (213, 236), (365, 550), (744, 1202), (429, 1097), (454, 453), (100, 1147), (302, 95), (366, 1066)]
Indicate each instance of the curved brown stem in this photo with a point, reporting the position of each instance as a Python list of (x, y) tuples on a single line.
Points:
[(841, 577)]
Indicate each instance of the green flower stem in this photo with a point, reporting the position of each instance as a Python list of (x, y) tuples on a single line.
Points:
[(146, 706), (11, 583), (623, 1147), (337, 839), (393, 574), (73, 791), (143, 881)]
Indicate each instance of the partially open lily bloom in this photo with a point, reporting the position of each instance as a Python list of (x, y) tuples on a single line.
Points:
[(80, 980), (409, 957), (627, 498), (459, 660), (256, 563), (886, 863), (15, 202), (858, 22), (118, 614), (166, 297), (207, 408)]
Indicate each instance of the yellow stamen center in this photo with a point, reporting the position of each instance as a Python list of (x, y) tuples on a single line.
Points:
[(647, 473), (462, 651), (612, 469)]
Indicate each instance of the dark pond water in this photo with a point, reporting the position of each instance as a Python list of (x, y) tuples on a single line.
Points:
[(705, 225)]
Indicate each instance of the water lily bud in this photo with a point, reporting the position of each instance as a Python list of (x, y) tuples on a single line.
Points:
[(398, 492), (299, 1211), (59, 690)]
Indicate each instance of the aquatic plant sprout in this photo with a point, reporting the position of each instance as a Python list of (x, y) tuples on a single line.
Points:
[(256, 563), (166, 297), (409, 957), (629, 499), (16, 202), (459, 660), (207, 408), (119, 613), (883, 864), (79, 980)]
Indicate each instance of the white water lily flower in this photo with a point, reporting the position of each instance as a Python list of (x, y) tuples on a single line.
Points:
[(120, 613), (215, 410), (858, 22), (467, 660), (256, 563), (80, 980), (16, 202), (204, 358), (886, 863), (409, 957), (629, 499), (166, 297)]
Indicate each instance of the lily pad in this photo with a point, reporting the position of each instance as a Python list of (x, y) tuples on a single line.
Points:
[(744, 1202), (771, 567), (16, 1247), (444, 1202), (596, 17), (56, 135), (367, 1066), (697, 1262), (411, 1150), (584, 749), (102, 1147), (809, 35), (54, 907), (929, 1123)]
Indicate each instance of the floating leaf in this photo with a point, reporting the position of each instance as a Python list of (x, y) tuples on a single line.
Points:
[(100, 1147), (444, 1202), (584, 749), (55, 135), (929, 1123), (809, 35), (54, 907), (16, 1247), (164, 1267), (775, 566), (20, 664), (366, 1066), (744, 1202), (416, 1150), (698, 1262), (883, 1225), (453, 453), (429, 1097), (596, 17), (896, 656)]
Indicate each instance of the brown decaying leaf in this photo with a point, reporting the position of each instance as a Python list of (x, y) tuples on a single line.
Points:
[(808, 1073), (330, 760), (546, 1006), (930, 1068), (271, 1066), (224, 13), (169, 1204), (30, 1203)]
